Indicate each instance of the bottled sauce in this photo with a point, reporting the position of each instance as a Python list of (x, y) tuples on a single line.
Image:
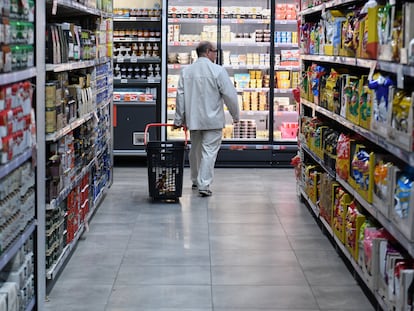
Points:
[(148, 50), (155, 50), (143, 72), (141, 50)]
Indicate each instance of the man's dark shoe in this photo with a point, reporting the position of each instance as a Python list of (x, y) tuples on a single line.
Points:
[(205, 193)]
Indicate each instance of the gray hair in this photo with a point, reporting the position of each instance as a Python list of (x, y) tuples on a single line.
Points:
[(203, 47)]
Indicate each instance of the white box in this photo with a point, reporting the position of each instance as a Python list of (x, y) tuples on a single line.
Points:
[(381, 109), (402, 285), (382, 196), (401, 133), (402, 216)]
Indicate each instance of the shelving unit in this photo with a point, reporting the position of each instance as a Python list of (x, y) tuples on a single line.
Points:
[(20, 214), (77, 105), (137, 76), (325, 108)]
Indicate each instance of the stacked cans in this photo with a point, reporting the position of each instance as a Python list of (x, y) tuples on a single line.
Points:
[(245, 129)]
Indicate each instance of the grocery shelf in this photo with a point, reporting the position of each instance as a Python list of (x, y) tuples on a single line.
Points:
[(136, 39), (70, 66), (370, 208), (70, 127), (252, 89), (344, 251), (133, 82), (73, 7), (318, 160), (53, 271), (343, 60), (16, 245), (137, 60), (136, 19), (54, 203), (130, 153), (326, 5), (15, 76), (137, 103), (406, 156), (7, 168), (31, 305)]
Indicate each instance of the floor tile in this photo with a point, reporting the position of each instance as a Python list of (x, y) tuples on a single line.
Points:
[(181, 256), (134, 274), (264, 243), (246, 229), (341, 298), (252, 246), (276, 297), (161, 296), (258, 275)]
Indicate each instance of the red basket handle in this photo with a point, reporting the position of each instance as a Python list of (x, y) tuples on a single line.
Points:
[(147, 127)]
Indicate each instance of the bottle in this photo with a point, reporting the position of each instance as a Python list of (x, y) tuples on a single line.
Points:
[(141, 50), (155, 50), (148, 50)]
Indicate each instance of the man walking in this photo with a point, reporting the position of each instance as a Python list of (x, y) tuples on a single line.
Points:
[(203, 89)]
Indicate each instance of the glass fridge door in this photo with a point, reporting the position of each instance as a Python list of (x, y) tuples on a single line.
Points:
[(189, 22), (286, 65), (245, 53)]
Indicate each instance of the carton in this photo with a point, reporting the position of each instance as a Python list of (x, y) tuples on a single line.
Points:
[(402, 211), (339, 210), (400, 130), (368, 35), (362, 172)]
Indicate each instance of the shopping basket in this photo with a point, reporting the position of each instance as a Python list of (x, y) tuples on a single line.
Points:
[(165, 161)]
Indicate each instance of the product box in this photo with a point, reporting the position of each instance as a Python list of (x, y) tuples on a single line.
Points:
[(343, 156), (347, 47), (311, 182), (400, 131), (333, 28), (325, 203), (407, 51), (386, 259), (404, 278), (382, 195), (365, 107), (381, 87), (316, 143), (330, 142), (362, 171), (353, 222), (402, 210), (340, 206), (368, 257), (368, 35), (349, 87), (353, 94)]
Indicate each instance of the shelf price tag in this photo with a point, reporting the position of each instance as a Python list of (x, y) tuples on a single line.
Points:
[(400, 77), (372, 70), (134, 60), (54, 7), (124, 80), (120, 60)]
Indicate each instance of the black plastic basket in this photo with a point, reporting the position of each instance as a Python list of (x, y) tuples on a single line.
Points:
[(165, 161)]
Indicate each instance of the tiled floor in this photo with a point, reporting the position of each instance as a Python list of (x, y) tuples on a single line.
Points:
[(251, 246)]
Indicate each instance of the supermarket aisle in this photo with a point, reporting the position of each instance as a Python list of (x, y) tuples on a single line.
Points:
[(251, 246)]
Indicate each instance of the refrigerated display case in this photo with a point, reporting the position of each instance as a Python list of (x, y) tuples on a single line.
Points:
[(137, 40), (259, 48)]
